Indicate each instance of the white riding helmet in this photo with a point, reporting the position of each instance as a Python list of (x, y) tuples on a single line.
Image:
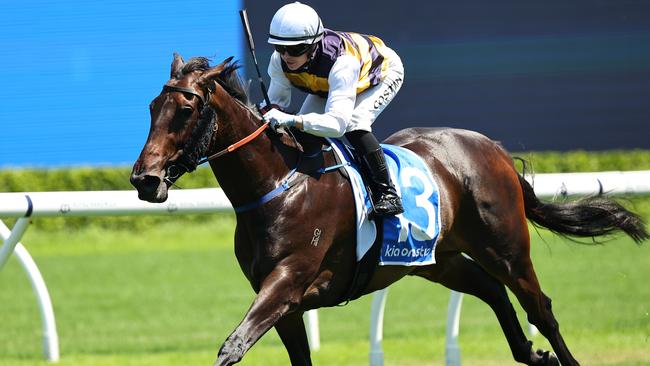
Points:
[(295, 23)]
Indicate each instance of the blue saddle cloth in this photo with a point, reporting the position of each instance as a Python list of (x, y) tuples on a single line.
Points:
[(409, 239)]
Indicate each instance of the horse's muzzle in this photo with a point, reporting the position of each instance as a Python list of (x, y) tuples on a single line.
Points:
[(150, 187)]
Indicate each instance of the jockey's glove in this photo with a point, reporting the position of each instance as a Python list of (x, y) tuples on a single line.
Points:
[(278, 119)]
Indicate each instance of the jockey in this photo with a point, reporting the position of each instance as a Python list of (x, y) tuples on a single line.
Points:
[(350, 78)]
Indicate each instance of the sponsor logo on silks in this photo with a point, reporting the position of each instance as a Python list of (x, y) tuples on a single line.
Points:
[(410, 238), (388, 93)]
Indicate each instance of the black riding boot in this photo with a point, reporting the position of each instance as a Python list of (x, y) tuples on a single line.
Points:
[(385, 200)]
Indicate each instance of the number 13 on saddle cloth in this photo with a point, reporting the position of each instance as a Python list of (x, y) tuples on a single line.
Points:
[(409, 239)]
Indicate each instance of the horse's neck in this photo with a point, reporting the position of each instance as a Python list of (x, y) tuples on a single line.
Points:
[(253, 169)]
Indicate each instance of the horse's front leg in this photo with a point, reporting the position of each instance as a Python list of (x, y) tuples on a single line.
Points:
[(280, 294), (291, 329)]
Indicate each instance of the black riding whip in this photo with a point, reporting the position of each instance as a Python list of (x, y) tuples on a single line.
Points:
[(251, 47)]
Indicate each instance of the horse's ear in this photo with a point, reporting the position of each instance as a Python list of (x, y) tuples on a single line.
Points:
[(208, 75), (226, 61), (212, 73), (177, 66)]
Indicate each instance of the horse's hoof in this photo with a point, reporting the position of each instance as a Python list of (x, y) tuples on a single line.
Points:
[(548, 358)]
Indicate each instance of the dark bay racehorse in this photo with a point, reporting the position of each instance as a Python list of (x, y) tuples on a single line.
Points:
[(485, 203)]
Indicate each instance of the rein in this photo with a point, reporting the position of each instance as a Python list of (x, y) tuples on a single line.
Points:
[(173, 171), (236, 145)]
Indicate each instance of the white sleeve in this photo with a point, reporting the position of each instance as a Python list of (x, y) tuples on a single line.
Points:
[(343, 79), (280, 87)]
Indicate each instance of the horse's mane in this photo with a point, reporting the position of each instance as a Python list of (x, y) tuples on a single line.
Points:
[(228, 78)]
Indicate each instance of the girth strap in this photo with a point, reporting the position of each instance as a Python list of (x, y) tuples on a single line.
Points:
[(284, 186)]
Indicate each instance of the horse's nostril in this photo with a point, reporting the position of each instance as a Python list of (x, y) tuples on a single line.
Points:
[(150, 181), (145, 182)]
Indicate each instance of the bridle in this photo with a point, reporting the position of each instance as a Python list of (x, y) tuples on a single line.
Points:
[(172, 88), (175, 170)]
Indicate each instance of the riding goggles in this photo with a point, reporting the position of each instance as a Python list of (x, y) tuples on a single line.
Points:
[(294, 50)]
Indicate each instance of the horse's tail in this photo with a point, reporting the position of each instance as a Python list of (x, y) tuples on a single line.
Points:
[(586, 217)]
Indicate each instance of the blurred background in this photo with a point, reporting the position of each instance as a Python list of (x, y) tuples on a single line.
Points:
[(78, 76)]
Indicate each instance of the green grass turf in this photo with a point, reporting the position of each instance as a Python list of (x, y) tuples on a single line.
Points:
[(170, 294)]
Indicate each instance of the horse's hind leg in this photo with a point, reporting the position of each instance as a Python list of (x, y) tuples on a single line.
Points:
[(495, 234), (461, 274), (506, 256), (291, 329), (524, 284)]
